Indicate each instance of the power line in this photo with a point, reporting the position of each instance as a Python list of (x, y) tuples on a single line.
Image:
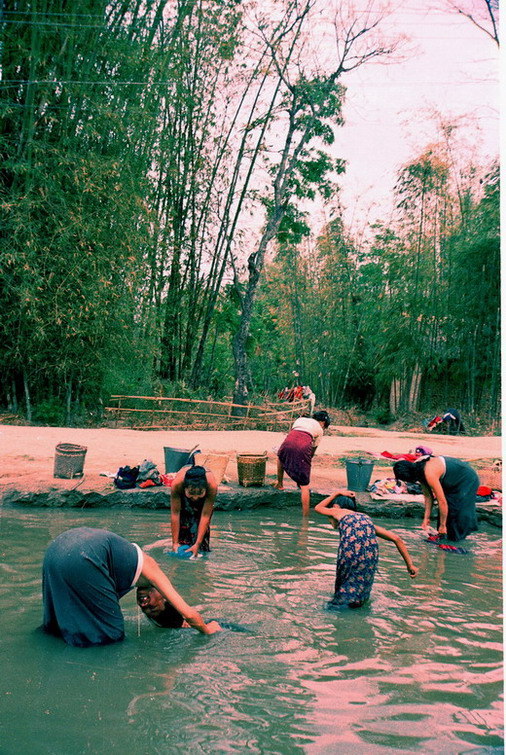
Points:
[(14, 83)]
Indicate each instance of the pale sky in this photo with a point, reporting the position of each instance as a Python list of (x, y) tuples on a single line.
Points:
[(451, 67)]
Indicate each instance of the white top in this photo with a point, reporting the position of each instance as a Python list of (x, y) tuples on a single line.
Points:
[(311, 426), (140, 564)]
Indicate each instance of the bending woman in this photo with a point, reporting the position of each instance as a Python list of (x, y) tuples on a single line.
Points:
[(192, 499), (296, 453), (85, 573), (453, 484), (357, 556)]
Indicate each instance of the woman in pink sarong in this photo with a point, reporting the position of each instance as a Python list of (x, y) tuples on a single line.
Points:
[(297, 450)]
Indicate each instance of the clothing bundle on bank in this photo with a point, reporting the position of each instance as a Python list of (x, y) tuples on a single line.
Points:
[(145, 475)]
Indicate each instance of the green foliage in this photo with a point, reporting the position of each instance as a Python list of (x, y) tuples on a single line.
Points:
[(293, 227), (384, 416), (50, 412), (406, 300), (129, 150)]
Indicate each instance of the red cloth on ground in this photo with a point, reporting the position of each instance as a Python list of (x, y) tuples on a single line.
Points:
[(147, 484), (484, 490), (407, 457), (434, 421)]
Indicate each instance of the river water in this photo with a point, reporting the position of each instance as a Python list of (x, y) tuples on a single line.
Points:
[(419, 669)]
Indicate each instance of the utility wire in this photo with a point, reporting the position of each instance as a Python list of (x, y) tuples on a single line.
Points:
[(15, 83)]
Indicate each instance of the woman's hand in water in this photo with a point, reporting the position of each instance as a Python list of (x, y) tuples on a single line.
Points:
[(213, 627), (412, 571), (157, 544), (194, 550)]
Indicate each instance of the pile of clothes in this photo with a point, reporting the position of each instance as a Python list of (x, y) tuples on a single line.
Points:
[(389, 487), (145, 475)]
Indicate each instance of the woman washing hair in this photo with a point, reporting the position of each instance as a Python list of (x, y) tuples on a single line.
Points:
[(453, 484), (192, 499), (357, 557)]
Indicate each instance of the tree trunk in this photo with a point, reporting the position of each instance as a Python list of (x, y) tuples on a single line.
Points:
[(255, 264), (414, 391), (395, 391), (12, 398), (68, 403), (27, 398)]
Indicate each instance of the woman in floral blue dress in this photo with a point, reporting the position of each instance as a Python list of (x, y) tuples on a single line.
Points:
[(357, 557)]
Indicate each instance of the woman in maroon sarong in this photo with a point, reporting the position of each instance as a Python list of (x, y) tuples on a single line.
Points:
[(297, 450)]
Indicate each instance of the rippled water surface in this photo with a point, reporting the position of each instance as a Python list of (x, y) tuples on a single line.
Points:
[(419, 669)]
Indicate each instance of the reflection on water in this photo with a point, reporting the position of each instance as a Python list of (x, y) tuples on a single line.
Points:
[(419, 669)]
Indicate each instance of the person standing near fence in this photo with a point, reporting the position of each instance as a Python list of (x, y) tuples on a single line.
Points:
[(296, 453), (308, 394)]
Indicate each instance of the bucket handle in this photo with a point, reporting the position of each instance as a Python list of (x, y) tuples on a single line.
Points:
[(191, 452)]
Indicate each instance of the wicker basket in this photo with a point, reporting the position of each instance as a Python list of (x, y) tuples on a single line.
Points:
[(215, 463), (69, 460), (251, 469)]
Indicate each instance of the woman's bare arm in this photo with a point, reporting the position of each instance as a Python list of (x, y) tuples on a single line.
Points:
[(152, 573), (434, 470), (401, 547), (324, 507)]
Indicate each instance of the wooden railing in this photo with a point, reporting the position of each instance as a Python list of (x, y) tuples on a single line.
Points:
[(157, 412)]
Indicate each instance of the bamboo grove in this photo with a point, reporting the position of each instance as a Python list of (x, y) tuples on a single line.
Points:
[(157, 164)]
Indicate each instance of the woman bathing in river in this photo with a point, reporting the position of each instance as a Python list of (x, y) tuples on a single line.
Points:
[(357, 557), (192, 499), (85, 573)]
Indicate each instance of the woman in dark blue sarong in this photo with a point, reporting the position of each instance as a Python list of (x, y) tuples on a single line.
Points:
[(453, 484), (357, 556), (85, 573)]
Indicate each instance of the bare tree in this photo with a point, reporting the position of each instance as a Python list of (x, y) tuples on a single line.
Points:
[(482, 13), (312, 104)]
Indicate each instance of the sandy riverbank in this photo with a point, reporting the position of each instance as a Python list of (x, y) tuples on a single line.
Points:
[(27, 453)]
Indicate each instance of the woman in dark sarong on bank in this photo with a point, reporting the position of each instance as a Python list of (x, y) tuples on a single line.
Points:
[(296, 453), (453, 484)]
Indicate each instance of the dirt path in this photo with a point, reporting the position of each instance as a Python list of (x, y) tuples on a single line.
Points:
[(27, 453)]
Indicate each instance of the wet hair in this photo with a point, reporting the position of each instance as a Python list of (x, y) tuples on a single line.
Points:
[(322, 416), (346, 502), (195, 477), (410, 471), (169, 618)]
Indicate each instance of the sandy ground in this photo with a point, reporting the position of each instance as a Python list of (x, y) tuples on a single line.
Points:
[(27, 453)]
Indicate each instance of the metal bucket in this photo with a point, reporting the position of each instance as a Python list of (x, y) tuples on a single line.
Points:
[(176, 458), (358, 473)]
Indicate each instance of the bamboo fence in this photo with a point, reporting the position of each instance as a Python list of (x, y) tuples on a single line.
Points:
[(169, 413)]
